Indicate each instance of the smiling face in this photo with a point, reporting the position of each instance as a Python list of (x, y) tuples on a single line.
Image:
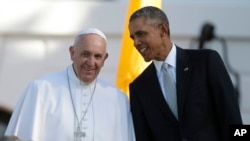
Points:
[(88, 56), (151, 41)]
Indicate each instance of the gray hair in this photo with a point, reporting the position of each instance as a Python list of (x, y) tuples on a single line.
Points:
[(152, 15)]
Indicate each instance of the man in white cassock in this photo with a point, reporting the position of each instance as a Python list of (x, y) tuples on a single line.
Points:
[(73, 104)]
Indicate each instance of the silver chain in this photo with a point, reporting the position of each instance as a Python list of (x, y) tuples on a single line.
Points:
[(72, 101)]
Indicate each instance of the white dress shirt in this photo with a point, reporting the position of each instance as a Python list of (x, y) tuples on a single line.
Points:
[(171, 61)]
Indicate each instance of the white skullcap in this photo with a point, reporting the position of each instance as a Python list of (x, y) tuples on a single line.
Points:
[(94, 31)]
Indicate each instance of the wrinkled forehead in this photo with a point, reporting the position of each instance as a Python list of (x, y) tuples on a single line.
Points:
[(91, 43), (137, 25)]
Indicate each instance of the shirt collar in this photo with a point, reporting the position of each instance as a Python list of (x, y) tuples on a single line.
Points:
[(171, 60)]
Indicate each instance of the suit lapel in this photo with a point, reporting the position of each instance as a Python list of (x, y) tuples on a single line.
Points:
[(154, 88), (183, 73)]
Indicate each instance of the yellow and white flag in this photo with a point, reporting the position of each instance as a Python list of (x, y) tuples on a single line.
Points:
[(131, 63)]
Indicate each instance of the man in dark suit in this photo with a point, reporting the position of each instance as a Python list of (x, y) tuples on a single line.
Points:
[(205, 99)]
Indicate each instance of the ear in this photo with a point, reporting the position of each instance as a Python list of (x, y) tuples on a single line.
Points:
[(71, 51), (106, 56), (164, 27)]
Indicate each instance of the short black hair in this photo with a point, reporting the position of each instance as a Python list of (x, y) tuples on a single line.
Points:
[(152, 15)]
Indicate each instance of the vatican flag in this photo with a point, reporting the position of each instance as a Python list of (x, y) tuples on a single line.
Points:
[(131, 63)]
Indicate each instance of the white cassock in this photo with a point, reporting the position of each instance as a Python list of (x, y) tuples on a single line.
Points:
[(45, 111)]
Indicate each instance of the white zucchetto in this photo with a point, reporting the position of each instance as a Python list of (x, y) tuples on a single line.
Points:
[(94, 31)]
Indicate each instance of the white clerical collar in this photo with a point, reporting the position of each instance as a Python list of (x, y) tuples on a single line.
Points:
[(73, 77)]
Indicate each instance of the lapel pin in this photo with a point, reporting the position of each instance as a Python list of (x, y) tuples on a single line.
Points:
[(186, 69)]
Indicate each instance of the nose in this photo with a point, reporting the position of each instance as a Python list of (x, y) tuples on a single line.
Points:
[(91, 61), (137, 42)]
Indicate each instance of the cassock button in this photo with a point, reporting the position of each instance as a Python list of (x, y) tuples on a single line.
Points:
[(184, 139)]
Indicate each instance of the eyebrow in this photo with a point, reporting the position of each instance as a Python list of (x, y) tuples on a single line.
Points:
[(138, 33)]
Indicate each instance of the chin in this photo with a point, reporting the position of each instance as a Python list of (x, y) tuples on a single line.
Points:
[(147, 60)]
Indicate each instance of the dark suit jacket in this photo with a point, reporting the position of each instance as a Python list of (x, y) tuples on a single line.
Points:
[(206, 101)]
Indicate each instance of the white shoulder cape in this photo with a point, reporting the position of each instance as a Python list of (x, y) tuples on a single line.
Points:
[(44, 112)]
